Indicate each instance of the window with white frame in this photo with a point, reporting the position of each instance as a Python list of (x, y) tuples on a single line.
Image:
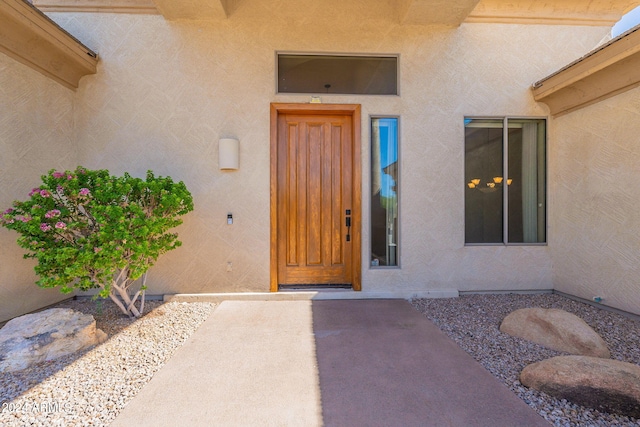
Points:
[(505, 181)]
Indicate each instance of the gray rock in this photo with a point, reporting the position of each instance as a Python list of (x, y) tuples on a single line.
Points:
[(555, 329), (46, 335), (603, 384)]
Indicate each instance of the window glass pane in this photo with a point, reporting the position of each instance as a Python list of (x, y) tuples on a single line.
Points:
[(527, 219), (483, 175), (522, 185), (384, 189), (318, 74)]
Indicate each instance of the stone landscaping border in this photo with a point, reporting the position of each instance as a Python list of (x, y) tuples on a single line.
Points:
[(91, 388), (473, 322)]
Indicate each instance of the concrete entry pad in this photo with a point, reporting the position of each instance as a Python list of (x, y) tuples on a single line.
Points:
[(250, 363), (382, 363), (334, 363)]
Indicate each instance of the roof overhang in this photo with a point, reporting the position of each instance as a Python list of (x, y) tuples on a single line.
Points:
[(438, 12), (170, 9), (411, 12), (31, 38), (110, 6), (552, 12), (195, 9), (607, 71)]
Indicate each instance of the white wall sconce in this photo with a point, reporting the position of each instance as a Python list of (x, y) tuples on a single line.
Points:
[(229, 153)]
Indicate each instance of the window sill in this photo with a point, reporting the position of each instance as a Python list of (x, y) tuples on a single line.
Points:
[(476, 245)]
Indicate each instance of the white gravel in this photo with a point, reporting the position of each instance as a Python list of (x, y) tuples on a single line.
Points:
[(473, 322), (90, 389)]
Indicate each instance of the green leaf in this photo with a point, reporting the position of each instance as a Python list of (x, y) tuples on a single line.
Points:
[(81, 241)]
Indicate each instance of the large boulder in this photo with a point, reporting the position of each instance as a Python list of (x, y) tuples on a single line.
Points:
[(46, 335), (555, 329), (603, 384)]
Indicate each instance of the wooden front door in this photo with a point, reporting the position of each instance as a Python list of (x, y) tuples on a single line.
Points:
[(315, 195)]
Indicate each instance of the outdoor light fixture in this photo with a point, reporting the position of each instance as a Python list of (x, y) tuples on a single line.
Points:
[(229, 153)]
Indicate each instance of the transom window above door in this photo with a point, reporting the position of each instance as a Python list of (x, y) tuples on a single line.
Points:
[(337, 74)]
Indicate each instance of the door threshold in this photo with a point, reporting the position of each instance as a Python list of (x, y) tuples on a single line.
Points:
[(315, 287)]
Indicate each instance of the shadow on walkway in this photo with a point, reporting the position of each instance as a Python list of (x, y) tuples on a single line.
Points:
[(338, 363), (381, 363)]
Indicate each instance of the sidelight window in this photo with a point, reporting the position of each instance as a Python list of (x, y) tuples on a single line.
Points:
[(384, 191)]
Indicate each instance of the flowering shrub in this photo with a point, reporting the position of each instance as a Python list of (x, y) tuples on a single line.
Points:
[(90, 230)]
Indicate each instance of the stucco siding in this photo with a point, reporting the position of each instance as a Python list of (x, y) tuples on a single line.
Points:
[(596, 202), (36, 134), (166, 92)]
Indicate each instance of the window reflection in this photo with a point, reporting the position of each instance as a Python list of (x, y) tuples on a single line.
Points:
[(384, 189), (318, 74), (505, 202)]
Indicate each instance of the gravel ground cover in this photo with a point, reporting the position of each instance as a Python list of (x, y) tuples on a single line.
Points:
[(473, 322), (91, 388)]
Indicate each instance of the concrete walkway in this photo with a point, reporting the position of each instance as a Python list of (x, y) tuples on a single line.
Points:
[(334, 363)]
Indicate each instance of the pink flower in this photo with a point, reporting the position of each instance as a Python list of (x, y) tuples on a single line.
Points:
[(61, 225), (84, 192), (52, 213), (96, 249), (8, 211), (34, 191), (23, 218), (69, 177), (57, 174), (45, 227), (45, 193)]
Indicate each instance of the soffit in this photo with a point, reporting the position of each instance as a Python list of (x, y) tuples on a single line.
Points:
[(607, 71), (443, 12), (562, 12), (110, 6), (421, 12), (170, 9), (194, 9), (448, 12), (31, 38)]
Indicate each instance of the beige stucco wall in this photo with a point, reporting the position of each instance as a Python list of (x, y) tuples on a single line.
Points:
[(595, 208), (165, 92), (36, 134)]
